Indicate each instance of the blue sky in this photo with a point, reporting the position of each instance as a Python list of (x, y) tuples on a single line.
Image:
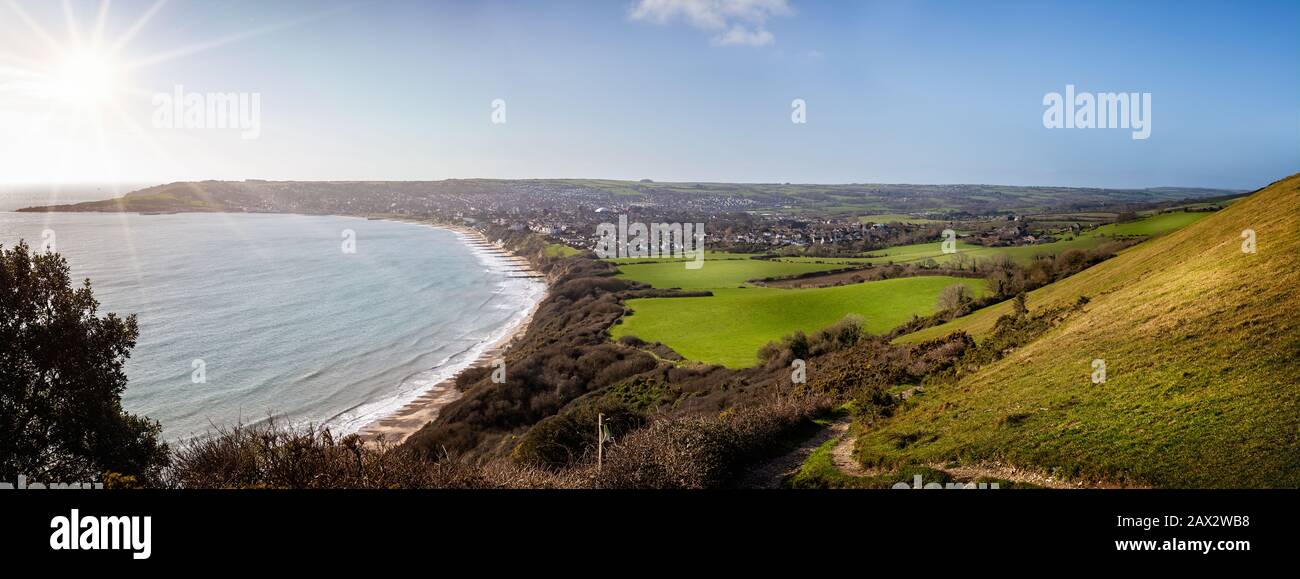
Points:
[(672, 90)]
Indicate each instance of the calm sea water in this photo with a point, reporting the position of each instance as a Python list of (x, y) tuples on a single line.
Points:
[(281, 319)]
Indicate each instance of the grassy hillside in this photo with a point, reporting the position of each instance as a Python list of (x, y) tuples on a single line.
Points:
[(730, 327), (1200, 341), (561, 250), (153, 199), (1153, 225)]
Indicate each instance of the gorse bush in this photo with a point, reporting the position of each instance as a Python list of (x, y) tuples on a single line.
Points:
[(870, 372), (704, 452), (570, 437)]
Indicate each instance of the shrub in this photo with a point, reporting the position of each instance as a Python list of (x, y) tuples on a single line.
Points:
[(566, 438), (954, 298), (833, 338), (704, 452), (270, 456)]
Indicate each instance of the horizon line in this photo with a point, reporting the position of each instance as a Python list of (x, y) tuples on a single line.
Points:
[(146, 183)]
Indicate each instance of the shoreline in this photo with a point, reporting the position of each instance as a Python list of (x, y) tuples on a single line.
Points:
[(395, 427), (398, 417)]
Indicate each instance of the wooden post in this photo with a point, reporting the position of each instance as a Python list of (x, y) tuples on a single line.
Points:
[(600, 441)]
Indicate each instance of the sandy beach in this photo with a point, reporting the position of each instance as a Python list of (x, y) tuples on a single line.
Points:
[(399, 425)]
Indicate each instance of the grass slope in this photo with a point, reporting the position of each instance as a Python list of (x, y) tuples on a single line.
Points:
[(1200, 342), (561, 250), (730, 327)]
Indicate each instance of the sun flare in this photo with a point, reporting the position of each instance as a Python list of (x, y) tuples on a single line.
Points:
[(85, 78), (68, 86)]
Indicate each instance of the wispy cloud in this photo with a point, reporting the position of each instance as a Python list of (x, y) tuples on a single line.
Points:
[(731, 22)]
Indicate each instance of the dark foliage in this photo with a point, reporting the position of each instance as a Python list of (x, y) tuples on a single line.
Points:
[(564, 355), (704, 451), (270, 456), (61, 379)]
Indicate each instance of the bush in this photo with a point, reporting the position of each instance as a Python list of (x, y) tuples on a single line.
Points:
[(704, 452), (269, 456), (954, 297), (567, 438), (833, 338)]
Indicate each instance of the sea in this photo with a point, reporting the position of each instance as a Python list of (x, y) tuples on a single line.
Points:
[(331, 321)]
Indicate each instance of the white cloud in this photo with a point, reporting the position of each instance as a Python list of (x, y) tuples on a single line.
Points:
[(740, 36), (732, 22)]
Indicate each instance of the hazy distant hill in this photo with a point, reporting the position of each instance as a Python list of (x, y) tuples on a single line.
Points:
[(1201, 344), (15, 196)]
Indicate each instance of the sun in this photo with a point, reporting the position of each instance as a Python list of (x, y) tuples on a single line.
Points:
[(86, 78), (71, 95)]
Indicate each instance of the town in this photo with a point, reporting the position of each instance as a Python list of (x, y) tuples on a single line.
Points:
[(783, 219)]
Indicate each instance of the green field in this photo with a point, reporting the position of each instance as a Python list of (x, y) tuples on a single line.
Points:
[(731, 326), (1022, 253), (721, 273), (1155, 225), (837, 261), (1194, 206), (1199, 340), (561, 250), (708, 255), (895, 218)]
